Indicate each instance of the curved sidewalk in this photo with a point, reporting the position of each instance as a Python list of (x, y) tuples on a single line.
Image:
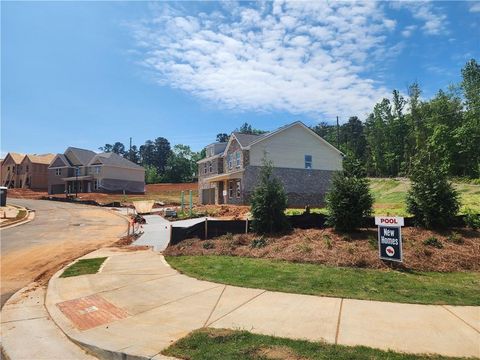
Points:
[(137, 305)]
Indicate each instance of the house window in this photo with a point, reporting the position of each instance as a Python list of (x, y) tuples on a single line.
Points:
[(230, 189), (204, 168), (58, 172), (27, 167), (239, 191), (308, 161), (211, 151), (8, 168), (97, 170), (238, 156), (77, 171), (96, 184), (230, 161), (210, 166)]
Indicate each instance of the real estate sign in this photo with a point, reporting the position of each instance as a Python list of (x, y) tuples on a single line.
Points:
[(389, 237)]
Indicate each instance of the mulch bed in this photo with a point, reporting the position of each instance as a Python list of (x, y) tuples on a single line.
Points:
[(460, 251)]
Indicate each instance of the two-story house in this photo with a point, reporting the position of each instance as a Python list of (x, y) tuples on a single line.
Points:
[(303, 161), (81, 170), (26, 171)]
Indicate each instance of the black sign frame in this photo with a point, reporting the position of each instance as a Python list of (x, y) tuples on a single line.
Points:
[(399, 246)]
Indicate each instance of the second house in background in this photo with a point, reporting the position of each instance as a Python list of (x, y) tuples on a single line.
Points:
[(80, 170), (303, 161)]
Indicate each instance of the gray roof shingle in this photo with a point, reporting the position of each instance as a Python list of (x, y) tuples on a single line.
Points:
[(113, 159)]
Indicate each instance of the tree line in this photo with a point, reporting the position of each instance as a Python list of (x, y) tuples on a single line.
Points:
[(444, 129), (164, 163)]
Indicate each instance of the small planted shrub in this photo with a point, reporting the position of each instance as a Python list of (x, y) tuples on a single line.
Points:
[(432, 199), (373, 241), (471, 219), (349, 201), (434, 242), (328, 242), (258, 243), (269, 202), (455, 238), (208, 245), (304, 248)]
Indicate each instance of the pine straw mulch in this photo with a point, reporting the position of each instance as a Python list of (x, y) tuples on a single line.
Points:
[(460, 252)]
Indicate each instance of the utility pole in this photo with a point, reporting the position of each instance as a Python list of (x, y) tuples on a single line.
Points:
[(130, 150), (338, 135)]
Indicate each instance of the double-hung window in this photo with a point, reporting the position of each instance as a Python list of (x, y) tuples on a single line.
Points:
[(204, 168), (230, 189), (237, 159), (210, 167), (239, 189), (97, 170), (58, 172), (308, 161), (230, 161), (77, 171)]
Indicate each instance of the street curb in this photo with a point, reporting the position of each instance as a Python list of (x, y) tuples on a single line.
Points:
[(90, 348), (26, 219)]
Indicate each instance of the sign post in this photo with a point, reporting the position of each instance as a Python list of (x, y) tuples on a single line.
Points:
[(390, 237)]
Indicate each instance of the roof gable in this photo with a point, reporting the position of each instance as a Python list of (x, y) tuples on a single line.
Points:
[(78, 156), (112, 159), (16, 158), (59, 161)]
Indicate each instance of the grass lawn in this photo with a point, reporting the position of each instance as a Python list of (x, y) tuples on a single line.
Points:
[(84, 267), (455, 288), (225, 344), (390, 194)]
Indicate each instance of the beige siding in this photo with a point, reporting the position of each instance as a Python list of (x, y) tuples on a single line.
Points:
[(113, 172), (288, 149)]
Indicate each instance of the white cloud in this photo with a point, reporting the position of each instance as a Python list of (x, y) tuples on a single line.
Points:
[(299, 57), (408, 31), (434, 22), (475, 6)]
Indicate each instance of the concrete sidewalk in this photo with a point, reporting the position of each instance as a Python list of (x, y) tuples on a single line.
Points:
[(137, 305)]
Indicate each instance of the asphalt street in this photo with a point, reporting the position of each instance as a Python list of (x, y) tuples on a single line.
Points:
[(60, 232)]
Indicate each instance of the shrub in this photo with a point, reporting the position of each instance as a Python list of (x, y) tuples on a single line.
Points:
[(269, 202), (433, 241), (328, 242), (455, 238), (258, 243), (349, 201), (471, 219), (432, 200), (208, 245)]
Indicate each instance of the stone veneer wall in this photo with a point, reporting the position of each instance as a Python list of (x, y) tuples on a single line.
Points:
[(303, 186)]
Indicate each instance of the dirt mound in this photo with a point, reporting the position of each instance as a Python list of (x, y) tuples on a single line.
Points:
[(277, 353), (459, 250), (171, 187), (224, 211), (26, 193)]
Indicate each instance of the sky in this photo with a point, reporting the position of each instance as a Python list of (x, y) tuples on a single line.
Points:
[(88, 73)]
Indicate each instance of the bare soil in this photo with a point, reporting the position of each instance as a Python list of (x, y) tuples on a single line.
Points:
[(236, 212), (460, 251)]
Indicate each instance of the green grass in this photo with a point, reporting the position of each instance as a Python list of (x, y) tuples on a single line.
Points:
[(457, 288), (390, 194), (83, 267), (206, 344)]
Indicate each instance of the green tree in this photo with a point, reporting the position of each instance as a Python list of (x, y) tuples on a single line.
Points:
[(106, 148), (268, 203), (246, 128), (349, 201), (181, 165), (151, 174), (432, 200), (222, 137), (161, 152)]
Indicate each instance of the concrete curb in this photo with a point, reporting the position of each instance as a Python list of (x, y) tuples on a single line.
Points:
[(26, 219), (358, 319), (88, 347)]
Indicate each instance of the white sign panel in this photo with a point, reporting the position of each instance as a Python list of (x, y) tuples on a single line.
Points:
[(388, 221)]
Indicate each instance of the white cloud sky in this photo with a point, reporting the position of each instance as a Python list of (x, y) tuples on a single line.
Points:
[(299, 57), (475, 6), (433, 21)]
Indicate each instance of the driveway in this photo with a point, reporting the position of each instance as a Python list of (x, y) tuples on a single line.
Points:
[(60, 233)]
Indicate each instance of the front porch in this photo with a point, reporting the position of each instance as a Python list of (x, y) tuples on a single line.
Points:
[(223, 189), (80, 184)]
